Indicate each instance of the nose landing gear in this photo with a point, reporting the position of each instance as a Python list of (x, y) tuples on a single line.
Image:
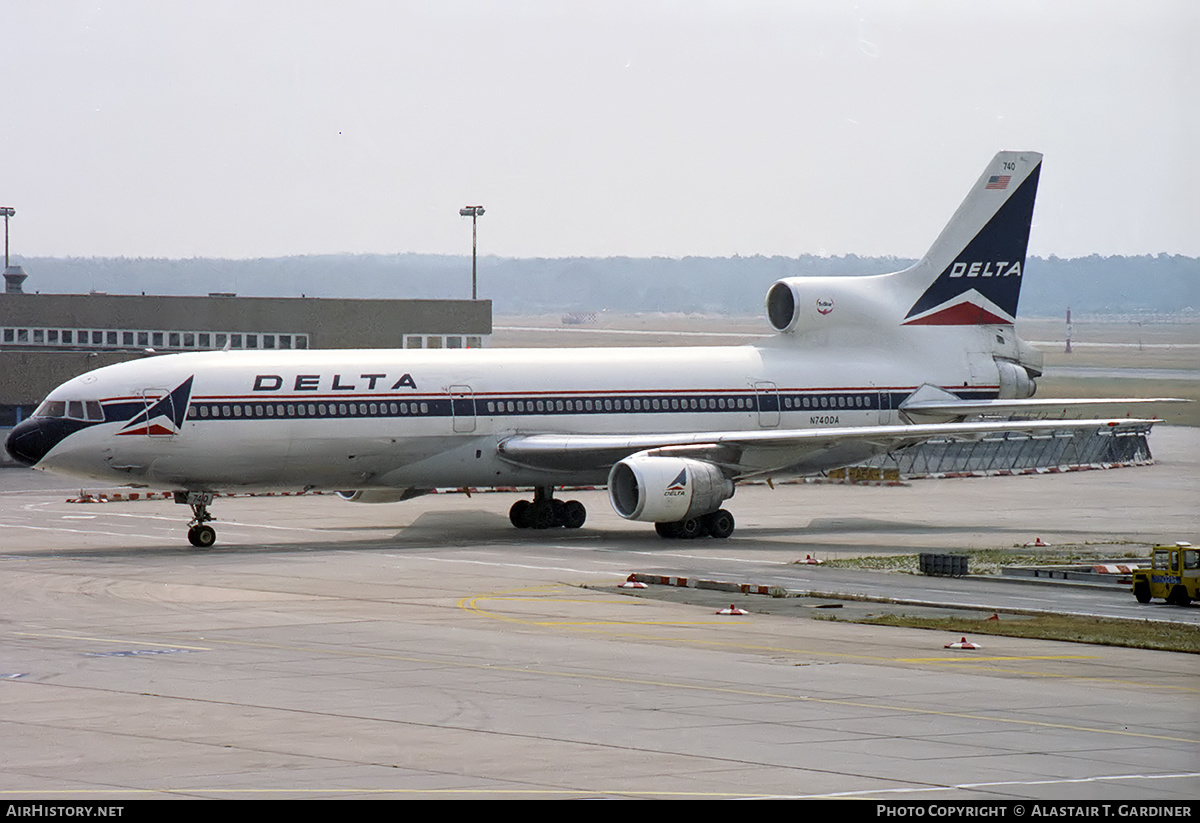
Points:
[(200, 534)]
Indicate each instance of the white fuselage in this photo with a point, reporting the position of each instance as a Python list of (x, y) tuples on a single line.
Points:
[(361, 419), (857, 360)]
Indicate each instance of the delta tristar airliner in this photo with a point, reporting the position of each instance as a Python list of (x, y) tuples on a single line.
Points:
[(859, 366)]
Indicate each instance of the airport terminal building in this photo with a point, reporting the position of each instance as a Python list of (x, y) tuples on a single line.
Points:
[(46, 339)]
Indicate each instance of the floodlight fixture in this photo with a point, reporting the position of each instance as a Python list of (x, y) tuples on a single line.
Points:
[(474, 212)]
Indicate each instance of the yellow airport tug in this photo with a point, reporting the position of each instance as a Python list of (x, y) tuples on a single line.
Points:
[(1173, 577)]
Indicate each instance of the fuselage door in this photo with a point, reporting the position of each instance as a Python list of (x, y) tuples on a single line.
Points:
[(881, 399), (159, 407), (766, 396), (462, 406)]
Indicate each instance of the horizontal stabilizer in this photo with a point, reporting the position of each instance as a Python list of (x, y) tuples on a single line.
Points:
[(958, 408)]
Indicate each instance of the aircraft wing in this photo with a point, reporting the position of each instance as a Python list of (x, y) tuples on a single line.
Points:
[(743, 454)]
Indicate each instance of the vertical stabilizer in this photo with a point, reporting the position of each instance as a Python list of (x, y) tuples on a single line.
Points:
[(974, 268)]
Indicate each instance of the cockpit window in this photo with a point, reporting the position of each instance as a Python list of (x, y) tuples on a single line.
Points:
[(52, 408), (89, 410)]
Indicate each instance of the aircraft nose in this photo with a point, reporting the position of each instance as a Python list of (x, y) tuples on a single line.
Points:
[(29, 442)]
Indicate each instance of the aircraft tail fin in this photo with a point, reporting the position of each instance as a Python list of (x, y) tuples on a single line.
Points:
[(973, 269), (971, 275)]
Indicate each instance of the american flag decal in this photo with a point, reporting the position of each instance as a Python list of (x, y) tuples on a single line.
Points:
[(998, 181)]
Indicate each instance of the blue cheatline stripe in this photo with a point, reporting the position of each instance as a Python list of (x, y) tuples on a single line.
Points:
[(491, 405)]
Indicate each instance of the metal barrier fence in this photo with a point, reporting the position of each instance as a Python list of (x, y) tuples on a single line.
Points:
[(1017, 451)]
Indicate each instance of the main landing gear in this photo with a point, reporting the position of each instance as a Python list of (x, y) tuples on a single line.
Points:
[(544, 512), (715, 524), (200, 534)]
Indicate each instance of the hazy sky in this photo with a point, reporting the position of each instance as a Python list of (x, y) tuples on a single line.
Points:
[(234, 128)]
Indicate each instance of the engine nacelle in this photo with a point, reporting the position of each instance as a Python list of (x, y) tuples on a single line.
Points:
[(381, 495), (801, 304), (1015, 382), (666, 489)]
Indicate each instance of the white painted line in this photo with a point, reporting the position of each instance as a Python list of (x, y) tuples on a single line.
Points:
[(502, 565)]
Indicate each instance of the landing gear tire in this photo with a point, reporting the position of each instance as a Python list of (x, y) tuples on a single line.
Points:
[(544, 512), (518, 515), (574, 514), (541, 514), (667, 530), (718, 524), (202, 537)]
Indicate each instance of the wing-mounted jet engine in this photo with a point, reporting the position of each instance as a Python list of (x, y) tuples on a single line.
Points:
[(374, 496), (681, 496)]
